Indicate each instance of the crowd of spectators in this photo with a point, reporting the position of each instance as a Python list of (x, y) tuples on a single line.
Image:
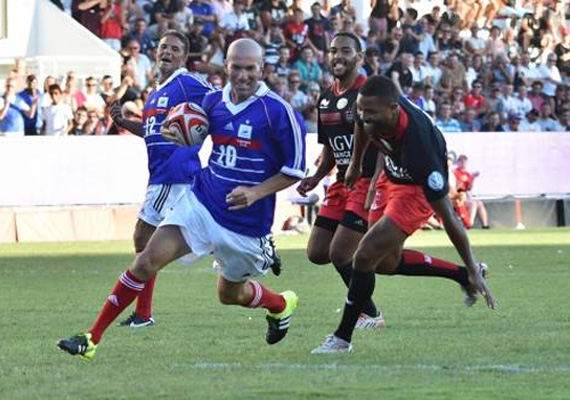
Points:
[(474, 65)]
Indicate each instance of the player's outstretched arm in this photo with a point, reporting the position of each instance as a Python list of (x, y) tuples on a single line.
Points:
[(361, 143), (326, 165), (458, 237), (245, 196), (117, 116)]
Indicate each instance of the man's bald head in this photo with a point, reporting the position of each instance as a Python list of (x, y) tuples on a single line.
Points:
[(245, 48)]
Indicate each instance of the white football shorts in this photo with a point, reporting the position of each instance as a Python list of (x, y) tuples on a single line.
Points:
[(239, 257), (159, 200)]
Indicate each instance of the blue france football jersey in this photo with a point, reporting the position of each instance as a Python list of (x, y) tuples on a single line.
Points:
[(252, 141), (168, 162)]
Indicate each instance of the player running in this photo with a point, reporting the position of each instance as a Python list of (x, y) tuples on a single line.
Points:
[(342, 219), (416, 167), (171, 167), (258, 150)]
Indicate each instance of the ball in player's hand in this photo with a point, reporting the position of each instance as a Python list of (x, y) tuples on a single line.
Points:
[(188, 122)]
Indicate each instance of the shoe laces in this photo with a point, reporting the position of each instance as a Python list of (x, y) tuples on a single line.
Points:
[(332, 342), (131, 318)]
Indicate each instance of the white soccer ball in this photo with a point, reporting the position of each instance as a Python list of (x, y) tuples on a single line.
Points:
[(189, 122)]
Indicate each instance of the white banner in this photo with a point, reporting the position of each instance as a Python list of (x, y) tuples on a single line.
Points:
[(515, 163), (113, 169), (68, 170)]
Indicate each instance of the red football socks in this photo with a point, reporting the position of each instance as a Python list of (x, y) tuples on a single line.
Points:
[(144, 301), (414, 263), (124, 293), (265, 298)]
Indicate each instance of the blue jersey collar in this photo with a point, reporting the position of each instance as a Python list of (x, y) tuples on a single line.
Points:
[(262, 90)]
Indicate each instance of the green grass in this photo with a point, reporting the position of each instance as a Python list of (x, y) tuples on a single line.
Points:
[(433, 348)]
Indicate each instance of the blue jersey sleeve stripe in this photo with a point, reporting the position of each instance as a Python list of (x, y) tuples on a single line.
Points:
[(296, 131)]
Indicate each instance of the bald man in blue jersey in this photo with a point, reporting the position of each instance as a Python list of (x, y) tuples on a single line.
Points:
[(258, 150)]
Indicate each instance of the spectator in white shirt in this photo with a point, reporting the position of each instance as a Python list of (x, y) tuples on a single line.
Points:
[(429, 103), (530, 123), (221, 8), (522, 104), (526, 72), (509, 100), (59, 115), (547, 121), (419, 73), (563, 123), (183, 18), (235, 21), (93, 100), (550, 75), (141, 65), (475, 44), (433, 70)]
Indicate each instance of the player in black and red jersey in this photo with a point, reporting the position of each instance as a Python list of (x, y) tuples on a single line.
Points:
[(415, 163), (342, 220)]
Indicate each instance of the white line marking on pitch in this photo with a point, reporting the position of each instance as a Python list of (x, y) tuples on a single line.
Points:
[(514, 369)]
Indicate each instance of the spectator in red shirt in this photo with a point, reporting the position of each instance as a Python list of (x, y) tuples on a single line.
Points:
[(296, 34), (112, 22), (465, 181), (475, 99)]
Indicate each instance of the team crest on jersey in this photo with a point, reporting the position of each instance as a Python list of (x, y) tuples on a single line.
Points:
[(162, 102), (244, 131), (435, 181), (324, 103), (341, 103)]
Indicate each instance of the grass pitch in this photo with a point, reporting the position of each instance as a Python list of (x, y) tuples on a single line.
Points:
[(433, 347)]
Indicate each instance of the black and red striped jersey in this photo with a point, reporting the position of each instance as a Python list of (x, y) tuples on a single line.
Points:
[(337, 113), (417, 153)]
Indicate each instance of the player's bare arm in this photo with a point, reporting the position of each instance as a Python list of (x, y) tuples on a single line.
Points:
[(244, 196), (361, 142), (326, 165), (117, 116), (458, 237), (372, 188)]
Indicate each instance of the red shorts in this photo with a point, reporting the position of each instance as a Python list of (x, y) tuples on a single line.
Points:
[(406, 205), (339, 199)]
